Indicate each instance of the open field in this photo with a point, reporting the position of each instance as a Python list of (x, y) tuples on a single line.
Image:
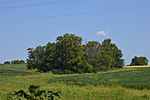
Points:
[(122, 84)]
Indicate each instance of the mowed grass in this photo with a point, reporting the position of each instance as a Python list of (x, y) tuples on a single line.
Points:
[(122, 84)]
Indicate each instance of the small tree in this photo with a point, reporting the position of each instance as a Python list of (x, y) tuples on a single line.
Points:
[(18, 62), (7, 62), (139, 61)]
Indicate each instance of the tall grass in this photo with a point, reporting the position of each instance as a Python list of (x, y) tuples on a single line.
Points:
[(112, 85), (136, 79)]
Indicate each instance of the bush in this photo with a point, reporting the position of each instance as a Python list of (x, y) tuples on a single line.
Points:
[(18, 62), (33, 93), (7, 62)]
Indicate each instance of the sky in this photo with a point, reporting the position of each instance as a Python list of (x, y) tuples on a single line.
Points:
[(29, 23)]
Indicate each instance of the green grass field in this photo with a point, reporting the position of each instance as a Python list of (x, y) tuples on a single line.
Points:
[(122, 84)]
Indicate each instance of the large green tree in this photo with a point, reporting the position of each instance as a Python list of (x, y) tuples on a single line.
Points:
[(69, 52), (35, 57), (69, 55), (109, 56), (49, 60), (42, 57), (139, 61)]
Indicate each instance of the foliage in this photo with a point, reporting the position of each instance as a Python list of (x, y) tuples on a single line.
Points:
[(7, 62), (33, 93), (35, 57), (41, 58), (113, 53), (139, 61), (18, 62), (92, 48), (64, 56), (104, 61), (105, 56), (15, 62), (68, 55)]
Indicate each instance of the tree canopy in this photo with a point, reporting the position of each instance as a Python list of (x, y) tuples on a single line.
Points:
[(15, 62), (139, 61), (69, 55), (105, 56)]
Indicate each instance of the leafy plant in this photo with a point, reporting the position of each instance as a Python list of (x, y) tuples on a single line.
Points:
[(33, 93)]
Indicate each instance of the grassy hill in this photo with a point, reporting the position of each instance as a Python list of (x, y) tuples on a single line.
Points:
[(124, 84)]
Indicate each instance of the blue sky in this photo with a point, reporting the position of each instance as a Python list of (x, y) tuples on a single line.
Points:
[(126, 22)]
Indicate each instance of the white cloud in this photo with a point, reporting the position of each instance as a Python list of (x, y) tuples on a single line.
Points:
[(101, 33)]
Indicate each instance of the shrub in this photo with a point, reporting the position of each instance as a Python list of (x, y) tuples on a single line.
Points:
[(7, 62), (33, 93), (18, 62)]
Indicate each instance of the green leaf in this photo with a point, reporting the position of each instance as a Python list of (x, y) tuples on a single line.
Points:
[(33, 89)]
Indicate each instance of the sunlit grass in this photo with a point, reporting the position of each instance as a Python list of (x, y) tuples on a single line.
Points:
[(111, 85), (128, 67)]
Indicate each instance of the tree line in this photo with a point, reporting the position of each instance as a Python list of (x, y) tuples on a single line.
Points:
[(15, 62), (68, 55), (137, 61)]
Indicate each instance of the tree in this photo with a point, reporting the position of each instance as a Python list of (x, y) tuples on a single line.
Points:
[(18, 62), (104, 61), (69, 53), (48, 61), (64, 56), (109, 56), (35, 57), (139, 61), (7, 62), (92, 48)]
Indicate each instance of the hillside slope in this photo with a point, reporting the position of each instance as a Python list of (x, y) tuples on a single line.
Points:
[(116, 84)]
